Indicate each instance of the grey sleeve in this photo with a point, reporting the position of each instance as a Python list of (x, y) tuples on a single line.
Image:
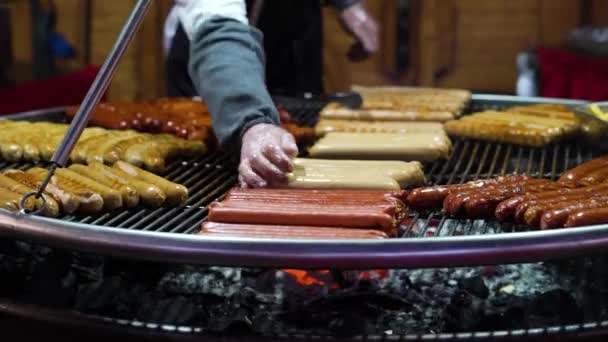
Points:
[(227, 66), (341, 5)]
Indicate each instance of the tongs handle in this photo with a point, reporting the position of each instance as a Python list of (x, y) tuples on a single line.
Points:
[(100, 84), (98, 88)]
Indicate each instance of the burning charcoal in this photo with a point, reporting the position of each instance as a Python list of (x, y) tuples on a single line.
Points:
[(511, 318), (464, 312), (178, 310), (236, 322), (112, 296), (555, 307), (219, 281), (88, 267), (475, 286), (261, 280)]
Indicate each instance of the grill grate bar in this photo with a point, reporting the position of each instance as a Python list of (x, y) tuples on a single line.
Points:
[(518, 160), (226, 185), (506, 160), (467, 170), (459, 161), (482, 162), (213, 195), (494, 161), (193, 189), (448, 163), (530, 166), (196, 202)]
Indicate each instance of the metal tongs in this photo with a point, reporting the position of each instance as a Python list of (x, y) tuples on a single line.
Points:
[(98, 88)]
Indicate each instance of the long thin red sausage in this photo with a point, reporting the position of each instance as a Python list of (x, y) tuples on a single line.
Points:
[(287, 232), (455, 204), (596, 177), (484, 206), (557, 217), (432, 197), (588, 217), (516, 206), (535, 213), (574, 175), (350, 218)]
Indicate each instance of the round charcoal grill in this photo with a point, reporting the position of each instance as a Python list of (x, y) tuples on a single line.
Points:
[(169, 235), (166, 234)]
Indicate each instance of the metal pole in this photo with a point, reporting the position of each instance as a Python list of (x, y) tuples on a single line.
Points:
[(100, 85)]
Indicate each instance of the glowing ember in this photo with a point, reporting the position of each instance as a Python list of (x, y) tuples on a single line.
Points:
[(309, 278), (325, 278)]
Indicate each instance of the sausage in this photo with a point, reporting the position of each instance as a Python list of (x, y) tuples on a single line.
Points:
[(108, 116), (454, 203), (580, 193), (387, 208), (484, 205), (351, 217), (559, 216), (150, 195), (51, 208), (595, 177), (485, 129), (69, 202), (287, 232), (505, 211), (97, 153), (406, 174), (534, 213), (433, 197), (423, 147), (130, 196), (118, 151), (576, 174), (112, 199), (318, 196), (9, 200), (552, 196), (531, 212), (90, 202), (176, 194), (81, 150), (587, 217)]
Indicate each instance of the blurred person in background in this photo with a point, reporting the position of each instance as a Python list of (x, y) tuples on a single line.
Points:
[(214, 52)]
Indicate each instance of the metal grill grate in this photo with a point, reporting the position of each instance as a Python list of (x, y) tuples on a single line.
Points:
[(211, 176)]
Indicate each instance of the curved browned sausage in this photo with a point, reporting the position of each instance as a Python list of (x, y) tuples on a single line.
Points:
[(558, 217), (572, 176), (588, 217)]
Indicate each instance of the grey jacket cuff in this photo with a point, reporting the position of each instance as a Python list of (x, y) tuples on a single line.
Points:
[(341, 5), (227, 66)]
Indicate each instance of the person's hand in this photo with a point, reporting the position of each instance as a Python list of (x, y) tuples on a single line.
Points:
[(362, 25), (266, 154)]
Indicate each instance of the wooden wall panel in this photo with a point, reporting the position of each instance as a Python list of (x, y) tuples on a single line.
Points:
[(557, 18), (141, 71), (491, 33), (339, 72), (599, 12), (489, 37), (107, 23), (21, 23), (71, 23)]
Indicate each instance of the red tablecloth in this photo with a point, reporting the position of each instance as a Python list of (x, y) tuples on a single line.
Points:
[(568, 75), (69, 89)]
